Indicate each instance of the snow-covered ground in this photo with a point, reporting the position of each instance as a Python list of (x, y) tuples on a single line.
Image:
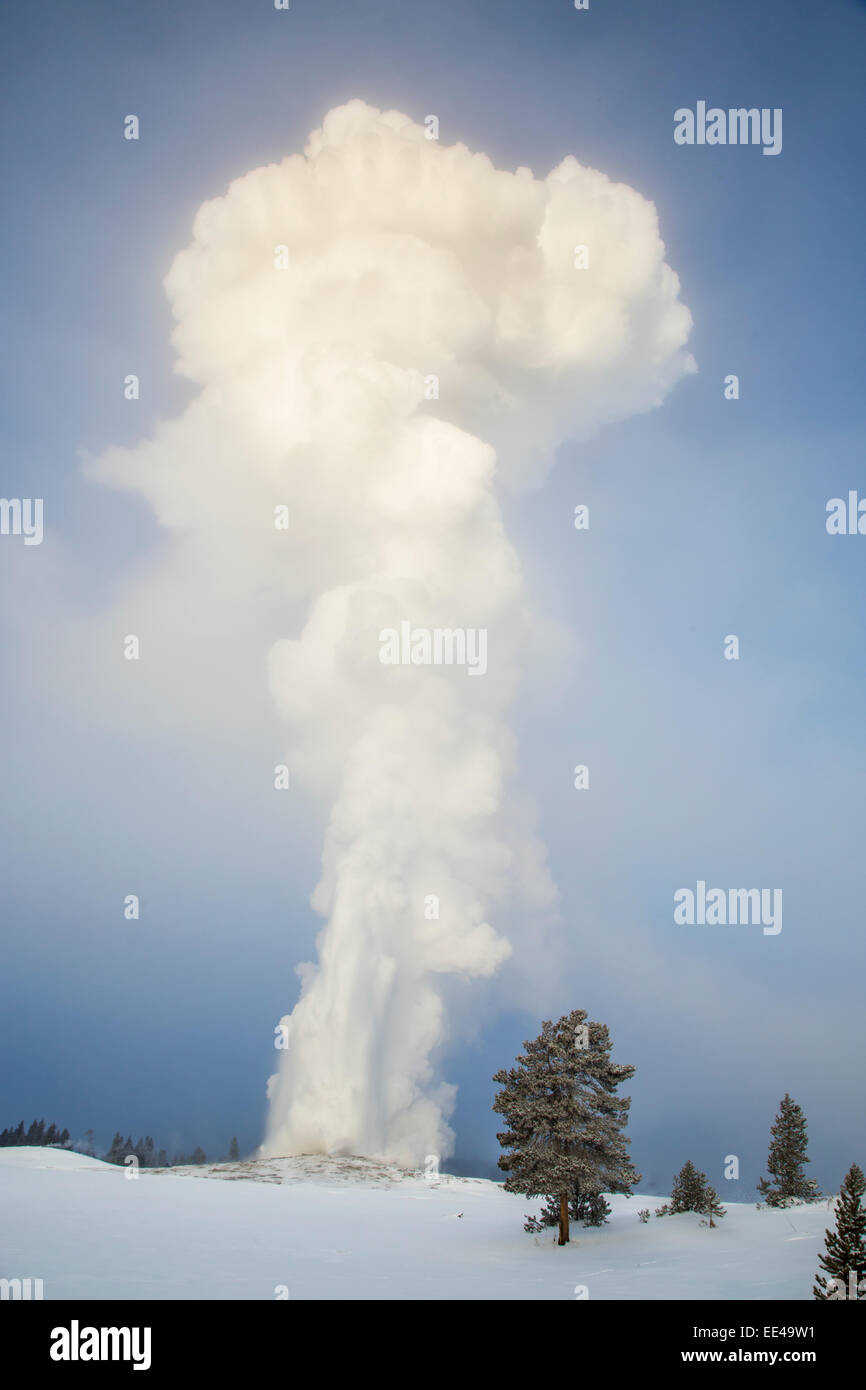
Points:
[(355, 1228)]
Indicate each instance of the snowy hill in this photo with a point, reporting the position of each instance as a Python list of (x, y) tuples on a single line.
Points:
[(348, 1228), (64, 1159)]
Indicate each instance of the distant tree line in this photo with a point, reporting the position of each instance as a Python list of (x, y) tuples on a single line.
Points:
[(36, 1134), (143, 1150)]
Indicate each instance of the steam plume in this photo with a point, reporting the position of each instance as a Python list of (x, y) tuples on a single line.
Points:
[(430, 309)]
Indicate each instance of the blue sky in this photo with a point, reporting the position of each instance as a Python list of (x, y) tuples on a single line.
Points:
[(707, 519)]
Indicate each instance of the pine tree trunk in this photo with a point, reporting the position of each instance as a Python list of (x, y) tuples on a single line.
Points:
[(563, 1218)]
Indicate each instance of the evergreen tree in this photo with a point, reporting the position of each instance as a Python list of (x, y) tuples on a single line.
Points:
[(588, 1207), (689, 1186), (198, 1156), (162, 1159), (234, 1151), (786, 1158), (844, 1259), (12, 1137), (117, 1150), (710, 1204), (692, 1192), (564, 1118)]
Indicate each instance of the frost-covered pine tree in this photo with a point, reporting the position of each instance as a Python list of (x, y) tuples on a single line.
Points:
[(711, 1206), (786, 1158), (692, 1192), (590, 1207), (565, 1121), (688, 1187), (844, 1258)]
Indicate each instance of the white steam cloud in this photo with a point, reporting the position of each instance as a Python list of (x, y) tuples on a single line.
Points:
[(406, 260)]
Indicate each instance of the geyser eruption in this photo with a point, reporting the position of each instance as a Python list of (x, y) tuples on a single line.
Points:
[(379, 328)]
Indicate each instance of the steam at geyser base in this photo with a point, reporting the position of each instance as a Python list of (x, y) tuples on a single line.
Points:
[(380, 329)]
